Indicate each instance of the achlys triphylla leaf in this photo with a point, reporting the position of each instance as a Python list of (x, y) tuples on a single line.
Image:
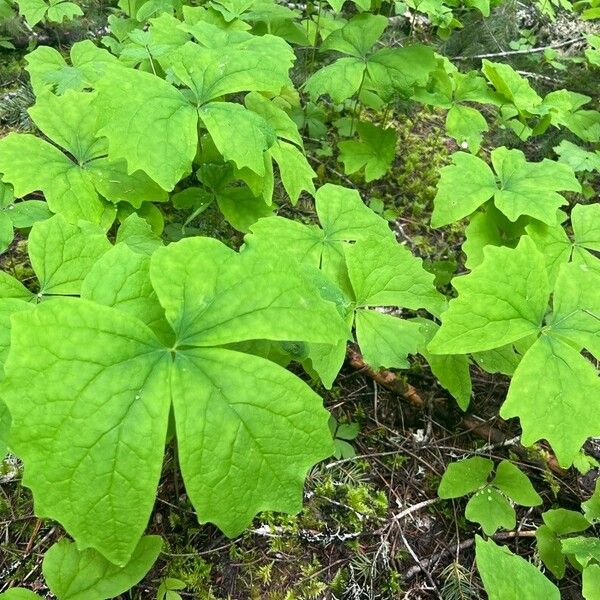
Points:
[(386, 72), (507, 575), (133, 102), (558, 248), (17, 215), (61, 255), (518, 187), (71, 184), (577, 157), (490, 503), (504, 300), (450, 89), (288, 151), (48, 70), (343, 217), (374, 151), (74, 574), (247, 430)]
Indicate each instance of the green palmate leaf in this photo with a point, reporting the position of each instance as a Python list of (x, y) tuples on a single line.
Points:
[(504, 299), (386, 72), (576, 304), (242, 209), (239, 418), (466, 125), (531, 188), (133, 102), (385, 340), (562, 521), (358, 36), (558, 249), (577, 157), (465, 476), (512, 86), (510, 480), (343, 217), (383, 273), (522, 188), (451, 370), (585, 549), (48, 70), (508, 576), (464, 186), (374, 151), (557, 383), (71, 185), (490, 509), (86, 575)]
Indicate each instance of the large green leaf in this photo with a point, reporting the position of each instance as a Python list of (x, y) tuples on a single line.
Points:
[(131, 103), (48, 69), (503, 300), (134, 102), (384, 273), (71, 184), (531, 188), (523, 188), (550, 392), (507, 576), (247, 430), (343, 217), (374, 151), (72, 574)]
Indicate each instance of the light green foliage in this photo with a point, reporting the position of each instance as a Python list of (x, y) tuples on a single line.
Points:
[(19, 594), (452, 90), (17, 214), (451, 370), (385, 71), (86, 575), (61, 255), (465, 476), (518, 187), (383, 273), (557, 247), (591, 582), (504, 300), (71, 185), (507, 576), (374, 151), (343, 217), (135, 101), (577, 157), (55, 11), (239, 419), (48, 69), (490, 504)]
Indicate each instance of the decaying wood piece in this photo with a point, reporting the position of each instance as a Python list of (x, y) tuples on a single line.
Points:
[(407, 392)]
